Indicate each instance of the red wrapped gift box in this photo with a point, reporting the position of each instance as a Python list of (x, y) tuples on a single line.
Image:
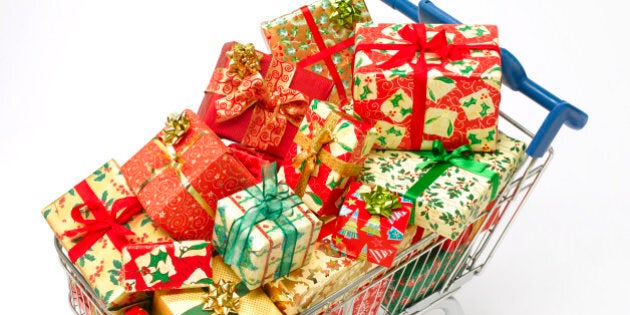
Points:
[(263, 107), (178, 184), (252, 159)]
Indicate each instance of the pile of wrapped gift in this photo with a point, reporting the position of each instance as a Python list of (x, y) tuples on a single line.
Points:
[(301, 169)]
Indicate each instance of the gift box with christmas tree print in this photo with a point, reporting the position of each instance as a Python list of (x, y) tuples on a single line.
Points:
[(450, 190), (320, 37), (181, 173), (258, 100), (326, 155), (94, 221), (423, 82)]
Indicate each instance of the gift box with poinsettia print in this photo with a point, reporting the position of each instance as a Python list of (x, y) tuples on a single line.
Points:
[(450, 190), (200, 301), (371, 223), (264, 231), (326, 155), (94, 221), (181, 173), (423, 82), (320, 37), (258, 100), (167, 265)]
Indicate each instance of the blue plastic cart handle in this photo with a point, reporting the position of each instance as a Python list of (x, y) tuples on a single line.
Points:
[(514, 76)]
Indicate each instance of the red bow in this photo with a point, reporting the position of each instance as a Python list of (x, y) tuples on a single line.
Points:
[(104, 222)]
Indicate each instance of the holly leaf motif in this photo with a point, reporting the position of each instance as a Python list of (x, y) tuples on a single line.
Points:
[(366, 91), (445, 80), (46, 213), (159, 276), (449, 130), (155, 259), (316, 199), (432, 119)]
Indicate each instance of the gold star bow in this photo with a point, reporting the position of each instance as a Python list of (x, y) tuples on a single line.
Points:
[(244, 60), (222, 298)]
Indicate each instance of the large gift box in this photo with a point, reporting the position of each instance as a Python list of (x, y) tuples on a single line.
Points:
[(450, 190), (423, 82), (320, 38), (371, 223), (327, 154), (181, 173), (258, 100), (200, 301), (264, 231), (94, 221), (167, 265)]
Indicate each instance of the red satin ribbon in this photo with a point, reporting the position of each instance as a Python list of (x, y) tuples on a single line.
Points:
[(325, 53), (416, 38), (104, 222)]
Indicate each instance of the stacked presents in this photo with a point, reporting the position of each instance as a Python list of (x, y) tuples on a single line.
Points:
[(345, 143)]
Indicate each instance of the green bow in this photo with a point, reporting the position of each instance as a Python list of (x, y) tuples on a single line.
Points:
[(274, 202), (439, 160), (381, 201), (345, 13)]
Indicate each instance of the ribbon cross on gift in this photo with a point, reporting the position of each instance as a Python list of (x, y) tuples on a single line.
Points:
[(415, 44), (275, 203), (243, 86)]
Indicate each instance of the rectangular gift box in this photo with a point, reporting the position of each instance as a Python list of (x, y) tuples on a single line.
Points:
[(77, 218), (326, 155), (320, 37), (447, 198), (259, 242), (178, 302), (181, 173), (371, 223), (448, 92), (252, 159), (261, 106), (167, 265)]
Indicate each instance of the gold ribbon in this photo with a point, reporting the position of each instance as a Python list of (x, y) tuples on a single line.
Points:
[(222, 298), (312, 151), (175, 162)]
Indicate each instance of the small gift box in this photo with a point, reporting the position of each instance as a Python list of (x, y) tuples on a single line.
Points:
[(181, 173), (371, 223), (320, 38), (94, 221), (253, 160), (450, 190), (220, 299), (423, 82), (326, 155), (258, 100), (167, 265), (264, 231)]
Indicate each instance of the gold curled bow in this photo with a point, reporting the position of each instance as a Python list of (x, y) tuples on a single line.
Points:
[(176, 127), (344, 13), (222, 298), (244, 59), (312, 151), (381, 201)]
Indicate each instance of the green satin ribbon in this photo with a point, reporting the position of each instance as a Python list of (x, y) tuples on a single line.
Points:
[(381, 202), (345, 13), (440, 160), (275, 203)]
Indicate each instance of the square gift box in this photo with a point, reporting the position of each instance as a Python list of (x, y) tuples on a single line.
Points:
[(264, 231), (326, 155), (320, 37), (450, 190), (181, 173), (258, 100), (423, 82), (94, 221)]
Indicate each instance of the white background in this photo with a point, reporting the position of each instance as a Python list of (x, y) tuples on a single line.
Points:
[(85, 81)]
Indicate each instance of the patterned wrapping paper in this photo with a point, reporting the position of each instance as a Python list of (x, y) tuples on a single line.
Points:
[(179, 184), (263, 108), (367, 236), (96, 251), (252, 160), (320, 38), (457, 197), (167, 265), (273, 246), (180, 302), (367, 302), (327, 154), (452, 94)]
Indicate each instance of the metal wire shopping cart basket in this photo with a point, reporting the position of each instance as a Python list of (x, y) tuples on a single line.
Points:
[(431, 270)]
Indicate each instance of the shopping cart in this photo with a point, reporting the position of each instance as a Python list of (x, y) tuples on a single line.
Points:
[(428, 273)]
